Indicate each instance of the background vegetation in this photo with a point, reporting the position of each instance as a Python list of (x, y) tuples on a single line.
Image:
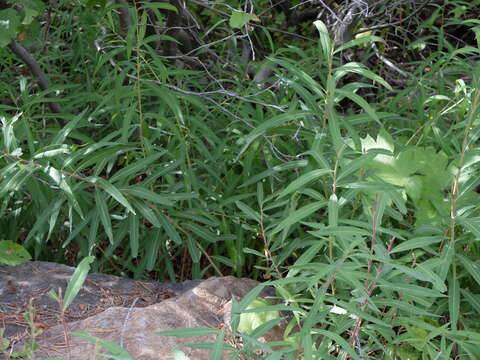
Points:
[(331, 148)]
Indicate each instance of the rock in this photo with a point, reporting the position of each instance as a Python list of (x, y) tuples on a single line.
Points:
[(122, 311)]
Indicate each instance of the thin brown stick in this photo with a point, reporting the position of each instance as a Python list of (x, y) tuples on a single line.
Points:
[(382, 26), (36, 71)]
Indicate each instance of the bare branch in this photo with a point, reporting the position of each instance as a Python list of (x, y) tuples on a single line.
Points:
[(36, 71)]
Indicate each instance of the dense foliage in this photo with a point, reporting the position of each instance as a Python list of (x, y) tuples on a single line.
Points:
[(340, 163)]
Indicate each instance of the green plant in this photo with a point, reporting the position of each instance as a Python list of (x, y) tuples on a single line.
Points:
[(355, 194)]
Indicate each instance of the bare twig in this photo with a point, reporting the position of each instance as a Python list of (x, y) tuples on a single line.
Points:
[(382, 26), (36, 71)]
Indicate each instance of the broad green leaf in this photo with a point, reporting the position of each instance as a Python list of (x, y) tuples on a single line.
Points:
[(152, 247), (354, 165), (32, 9), (12, 253), (76, 281), (252, 320), (93, 231), (97, 153), (239, 19)]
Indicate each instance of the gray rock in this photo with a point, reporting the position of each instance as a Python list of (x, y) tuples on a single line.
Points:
[(165, 306)]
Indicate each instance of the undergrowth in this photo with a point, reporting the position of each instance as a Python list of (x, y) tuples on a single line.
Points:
[(354, 195)]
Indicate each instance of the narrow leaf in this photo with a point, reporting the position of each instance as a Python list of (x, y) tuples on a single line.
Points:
[(76, 281)]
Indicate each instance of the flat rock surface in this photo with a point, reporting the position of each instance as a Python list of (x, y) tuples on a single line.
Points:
[(125, 311)]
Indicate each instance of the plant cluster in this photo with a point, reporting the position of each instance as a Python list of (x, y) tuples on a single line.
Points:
[(319, 164)]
